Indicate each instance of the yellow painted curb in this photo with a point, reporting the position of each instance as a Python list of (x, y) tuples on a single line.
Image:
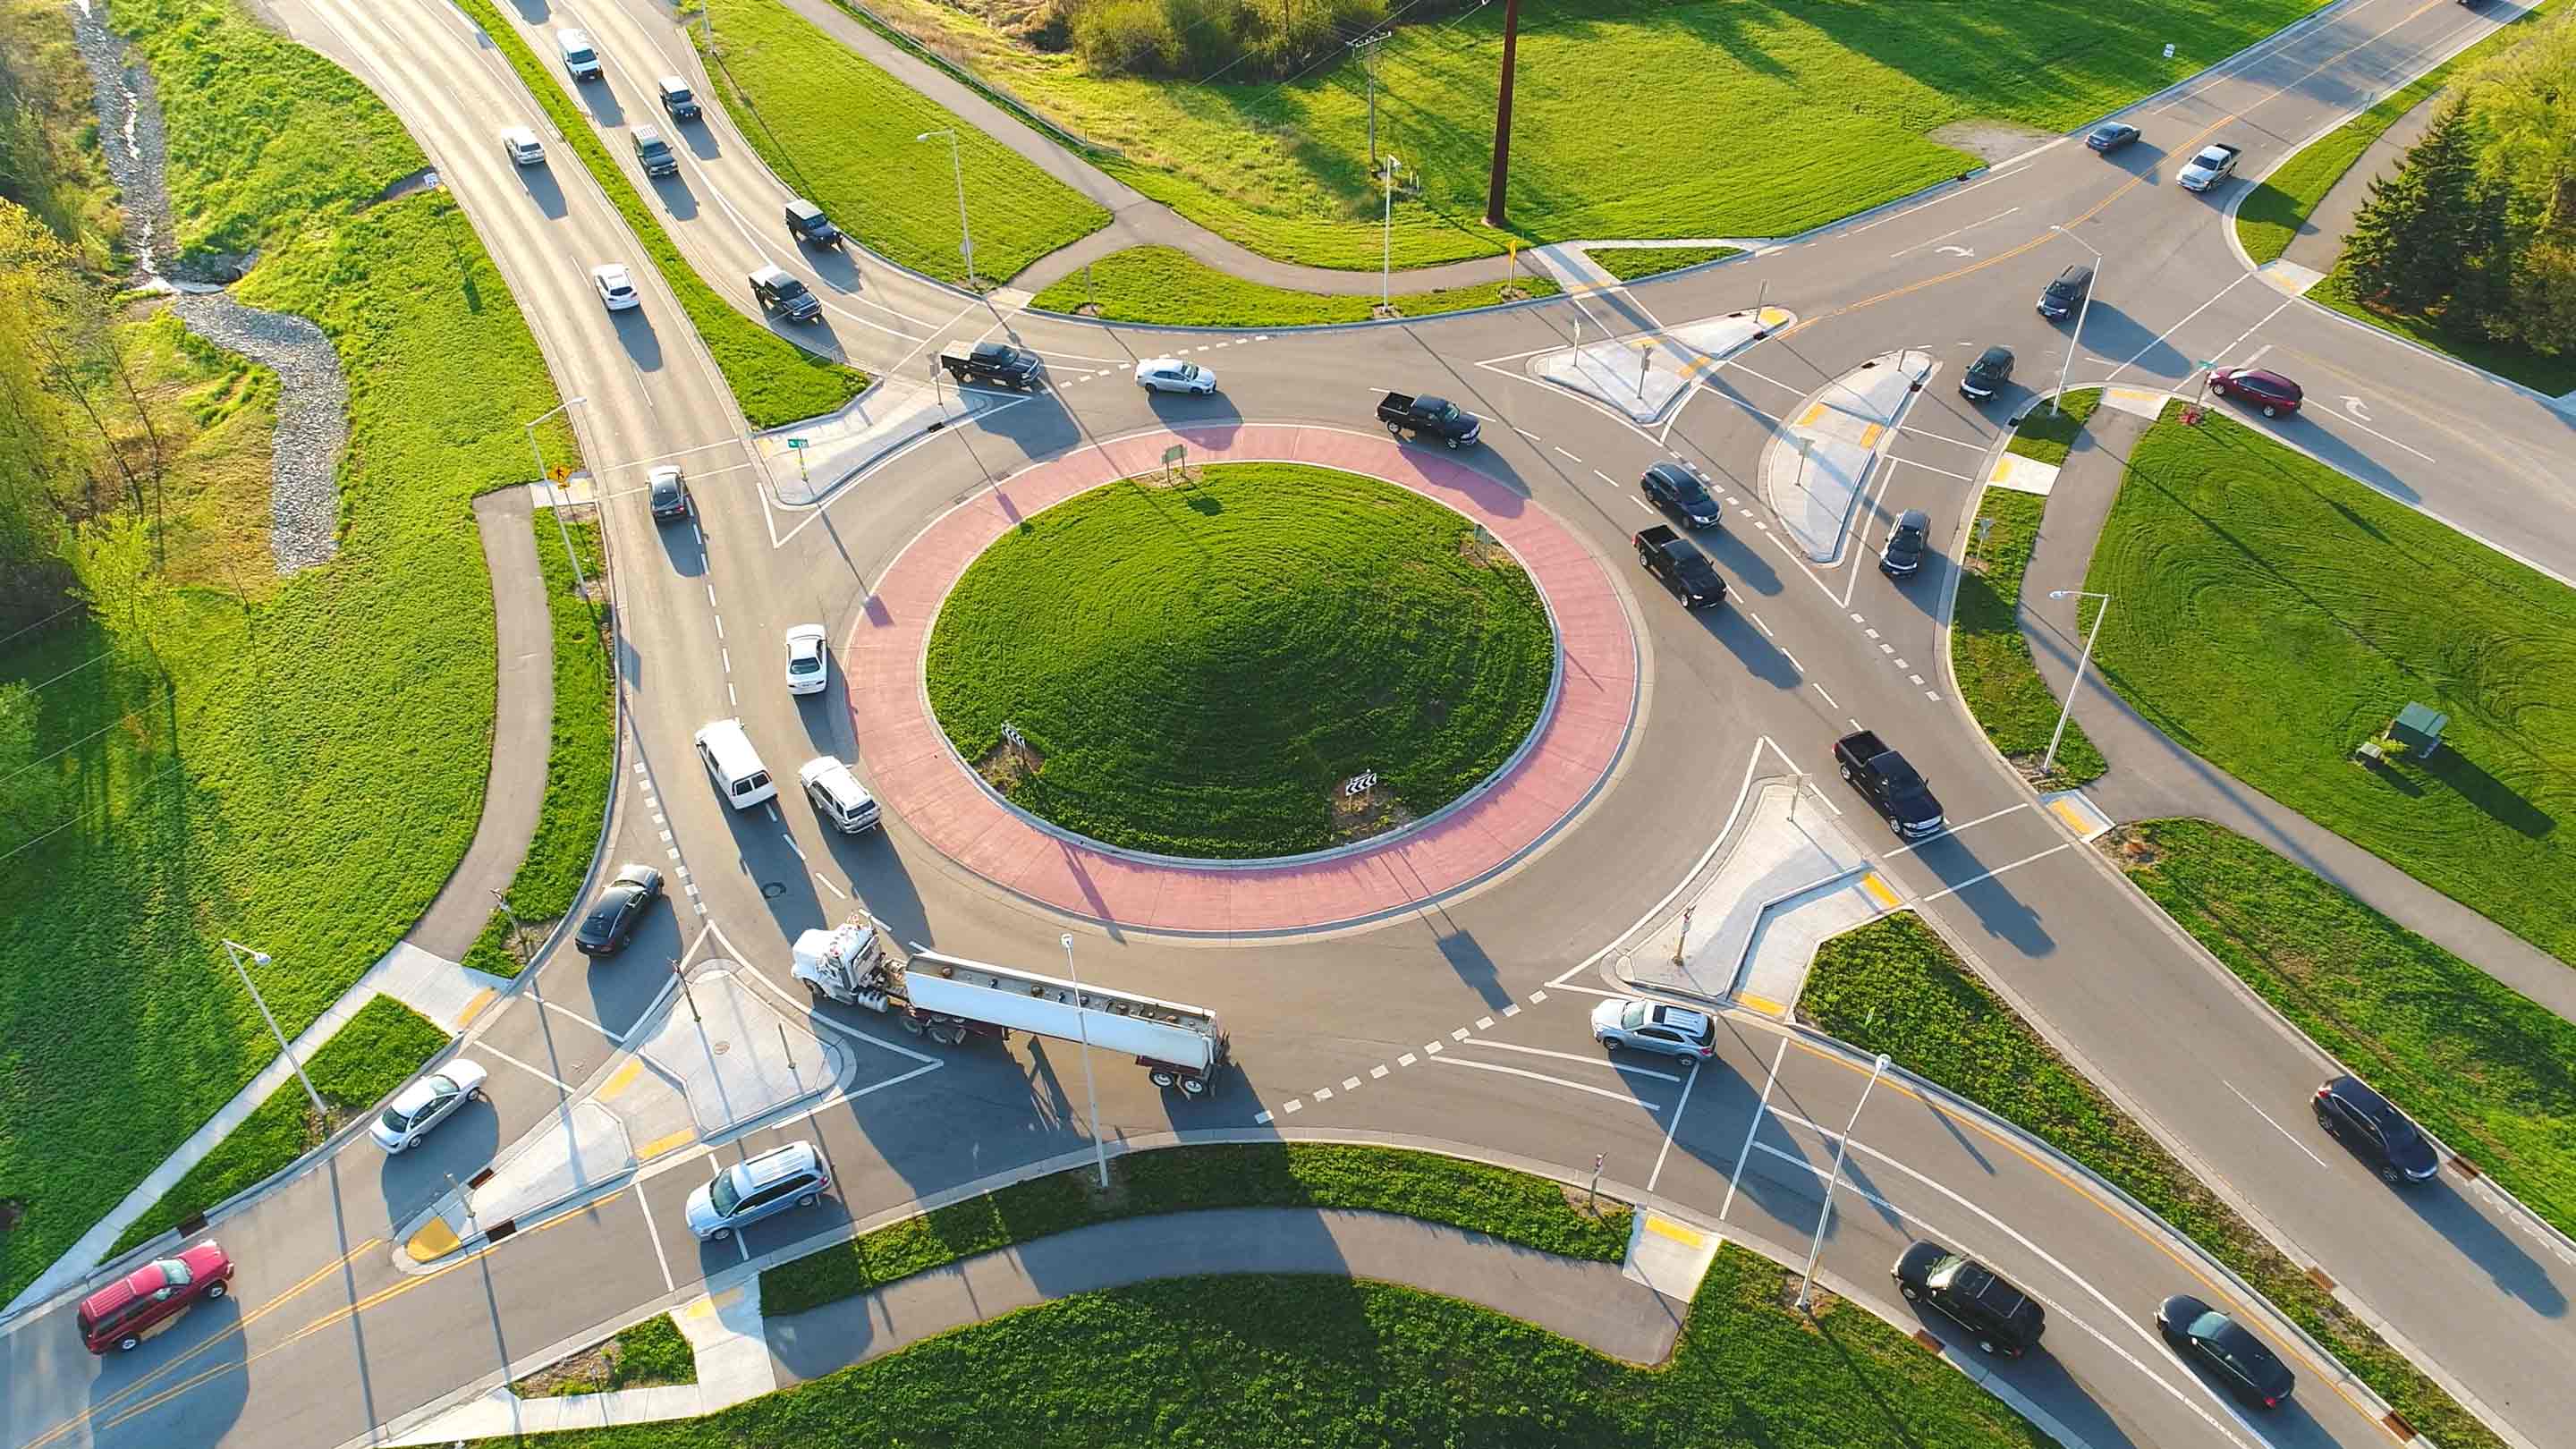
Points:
[(2066, 811), (1870, 435), (660, 1145), (1808, 418), (1762, 1003), (706, 1306), (474, 1008), (434, 1241), (621, 1079), (1675, 1231), (1879, 891)]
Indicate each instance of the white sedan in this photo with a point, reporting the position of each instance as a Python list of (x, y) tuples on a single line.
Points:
[(427, 1102), (1170, 374), (806, 670), (616, 287)]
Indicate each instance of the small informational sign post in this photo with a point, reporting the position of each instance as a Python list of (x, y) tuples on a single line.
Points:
[(1172, 462), (797, 446)]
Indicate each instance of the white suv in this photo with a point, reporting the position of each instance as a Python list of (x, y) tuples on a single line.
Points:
[(1653, 1026)]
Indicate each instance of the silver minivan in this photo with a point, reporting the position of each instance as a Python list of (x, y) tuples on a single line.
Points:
[(791, 1176), (580, 57)]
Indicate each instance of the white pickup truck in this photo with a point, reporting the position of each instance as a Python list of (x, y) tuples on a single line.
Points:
[(2213, 165)]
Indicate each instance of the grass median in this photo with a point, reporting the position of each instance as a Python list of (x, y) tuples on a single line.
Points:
[(1169, 287), (1893, 986), (1497, 1202), (1631, 264), (580, 754), (1879, 98), (2555, 376), (298, 763), (2273, 614), (651, 1353), (375, 1051), (1197, 670), (774, 381), (1337, 1363), (2488, 1070)]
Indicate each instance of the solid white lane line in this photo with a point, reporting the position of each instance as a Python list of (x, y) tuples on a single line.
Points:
[(1628, 1098), (1505, 1046), (575, 1015), (827, 885), (487, 1049), (2276, 1126), (1998, 870), (1675, 1125), (1967, 825), (2158, 339), (655, 1234), (1928, 468), (1745, 1153)]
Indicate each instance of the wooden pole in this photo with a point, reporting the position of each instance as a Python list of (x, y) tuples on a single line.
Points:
[(1503, 116)]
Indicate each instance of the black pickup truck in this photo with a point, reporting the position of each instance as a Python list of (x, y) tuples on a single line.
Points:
[(1683, 568), (992, 362), (1429, 417), (1891, 786)]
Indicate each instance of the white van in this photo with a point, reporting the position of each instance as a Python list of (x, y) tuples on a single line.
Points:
[(838, 797), (580, 57), (731, 763)]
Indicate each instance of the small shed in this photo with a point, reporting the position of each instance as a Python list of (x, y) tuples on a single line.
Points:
[(2419, 728)]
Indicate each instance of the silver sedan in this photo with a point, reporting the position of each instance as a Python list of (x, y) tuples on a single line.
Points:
[(1170, 374)]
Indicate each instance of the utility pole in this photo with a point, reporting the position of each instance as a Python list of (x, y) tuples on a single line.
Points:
[(1503, 115), (1367, 46)]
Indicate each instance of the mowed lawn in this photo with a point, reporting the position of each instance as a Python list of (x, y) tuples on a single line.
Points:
[(1168, 286), (301, 772), (2271, 614), (841, 131), (1200, 668), (1322, 1362), (1632, 121)]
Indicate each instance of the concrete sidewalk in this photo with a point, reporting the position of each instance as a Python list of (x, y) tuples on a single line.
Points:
[(867, 428), (1815, 467), (2152, 776), (1645, 374)]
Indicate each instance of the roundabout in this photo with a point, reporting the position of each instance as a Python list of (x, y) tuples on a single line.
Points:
[(1440, 681), (1250, 660)]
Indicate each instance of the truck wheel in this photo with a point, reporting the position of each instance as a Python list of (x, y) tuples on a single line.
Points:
[(1194, 1086), (1846, 769), (951, 1034), (1162, 1078), (911, 1023), (1393, 431)]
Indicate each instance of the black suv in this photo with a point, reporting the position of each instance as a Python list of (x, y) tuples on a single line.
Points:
[(1987, 375), (807, 223), (2066, 293), (2225, 1347), (1906, 544), (2003, 1318), (2375, 1130), (619, 909), (781, 292), (1671, 485)]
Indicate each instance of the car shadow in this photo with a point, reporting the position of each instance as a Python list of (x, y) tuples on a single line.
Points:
[(701, 139), (681, 545), (543, 189), (2004, 914), (602, 103), (1742, 565), (2507, 1265), (635, 333), (453, 1151), (677, 199), (835, 267)]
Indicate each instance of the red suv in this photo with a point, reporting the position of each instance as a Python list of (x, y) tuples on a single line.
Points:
[(2269, 391), (129, 1310)]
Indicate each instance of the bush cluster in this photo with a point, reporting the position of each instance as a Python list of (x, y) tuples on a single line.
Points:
[(1242, 40)]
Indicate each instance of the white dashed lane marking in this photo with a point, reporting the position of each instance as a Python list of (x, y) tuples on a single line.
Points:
[(1380, 1071)]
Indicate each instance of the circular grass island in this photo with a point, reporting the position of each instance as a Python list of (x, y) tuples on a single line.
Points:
[(1200, 669)]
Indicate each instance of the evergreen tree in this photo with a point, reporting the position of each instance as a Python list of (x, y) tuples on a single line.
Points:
[(2407, 246)]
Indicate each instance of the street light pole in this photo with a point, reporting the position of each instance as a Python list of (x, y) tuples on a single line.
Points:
[(965, 237), (2081, 312), (236, 950), (1808, 1282), (539, 454), (2050, 759), (1386, 245), (1099, 1149)]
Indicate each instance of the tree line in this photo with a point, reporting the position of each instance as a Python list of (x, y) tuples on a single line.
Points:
[(2476, 230)]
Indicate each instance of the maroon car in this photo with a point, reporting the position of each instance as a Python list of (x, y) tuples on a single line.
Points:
[(2270, 391), (134, 1307)]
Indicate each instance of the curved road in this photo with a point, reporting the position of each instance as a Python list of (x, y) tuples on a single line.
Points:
[(326, 1339)]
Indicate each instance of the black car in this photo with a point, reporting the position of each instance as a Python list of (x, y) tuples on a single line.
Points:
[(2110, 136), (619, 909), (1986, 375), (2066, 293), (2376, 1131), (1673, 486), (1907, 542), (2003, 1318), (2227, 1349), (668, 491), (992, 362), (807, 223)]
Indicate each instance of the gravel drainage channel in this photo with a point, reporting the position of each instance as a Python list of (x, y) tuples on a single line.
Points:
[(313, 395)]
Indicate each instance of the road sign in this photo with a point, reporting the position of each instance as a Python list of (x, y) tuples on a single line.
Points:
[(796, 442), (558, 473), (1173, 455)]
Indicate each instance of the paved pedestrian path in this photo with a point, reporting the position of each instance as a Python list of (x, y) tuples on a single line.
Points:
[(2151, 776), (912, 769), (1592, 1303)]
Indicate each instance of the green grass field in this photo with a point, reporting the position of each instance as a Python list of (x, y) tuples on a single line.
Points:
[(2486, 1069), (1499, 1203), (1997, 680), (652, 1352), (1169, 287), (2272, 614), (1797, 115), (2047, 434), (841, 131), (375, 1051), (302, 770), (1332, 1362), (1199, 668), (1892, 986), (774, 381), (2555, 376), (583, 749), (2270, 217), (1630, 264)]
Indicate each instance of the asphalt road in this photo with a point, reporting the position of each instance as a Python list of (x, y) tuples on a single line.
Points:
[(325, 1339)]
